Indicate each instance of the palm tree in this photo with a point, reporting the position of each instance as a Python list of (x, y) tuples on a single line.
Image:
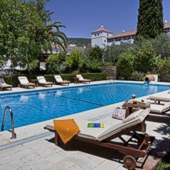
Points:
[(52, 29), (58, 37)]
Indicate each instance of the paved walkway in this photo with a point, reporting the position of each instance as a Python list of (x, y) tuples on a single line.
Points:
[(34, 149)]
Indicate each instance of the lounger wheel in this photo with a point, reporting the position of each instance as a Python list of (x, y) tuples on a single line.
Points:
[(129, 162)]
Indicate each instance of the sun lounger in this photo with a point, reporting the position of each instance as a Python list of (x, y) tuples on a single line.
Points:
[(115, 129), (165, 97), (4, 85), (25, 83), (42, 81), (80, 79), (158, 108), (60, 81)]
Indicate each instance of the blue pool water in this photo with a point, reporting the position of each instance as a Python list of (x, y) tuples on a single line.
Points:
[(37, 106)]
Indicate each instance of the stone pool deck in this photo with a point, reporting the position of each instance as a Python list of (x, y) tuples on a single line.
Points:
[(34, 148)]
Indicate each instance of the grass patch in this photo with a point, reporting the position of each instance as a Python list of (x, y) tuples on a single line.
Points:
[(164, 164)]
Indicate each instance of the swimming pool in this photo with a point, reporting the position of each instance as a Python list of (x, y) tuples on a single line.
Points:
[(32, 107)]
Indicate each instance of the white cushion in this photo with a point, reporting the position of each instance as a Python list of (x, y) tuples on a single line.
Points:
[(162, 96), (23, 80), (133, 116), (138, 117), (116, 126), (41, 79), (80, 77), (90, 133), (160, 108), (58, 78)]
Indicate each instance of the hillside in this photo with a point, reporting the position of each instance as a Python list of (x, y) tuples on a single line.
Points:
[(79, 41)]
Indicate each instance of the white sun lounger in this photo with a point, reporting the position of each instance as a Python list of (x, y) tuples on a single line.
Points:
[(80, 79), (42, 81), (25, 83), (60, 81), (4, 85), (157, 98), (157, 108), (115, 128)]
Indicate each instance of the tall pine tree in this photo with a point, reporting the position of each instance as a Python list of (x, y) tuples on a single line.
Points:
[(150, 18)]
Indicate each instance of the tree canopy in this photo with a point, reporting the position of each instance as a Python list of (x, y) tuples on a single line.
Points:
[(25, 31), (150, 18)]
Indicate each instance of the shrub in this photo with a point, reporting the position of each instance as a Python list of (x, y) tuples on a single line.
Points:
[(55, 63), (12, 80), (144, 60), (137, 76), (96, 53), (164, 70), (125, 65), (74, 61), (91, 65)]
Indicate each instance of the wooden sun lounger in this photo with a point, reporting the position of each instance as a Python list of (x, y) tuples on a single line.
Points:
[(159, 108), (4, 85), (42, 81), (159, 99), (60, 81), (80, 79), (25, 83), (138, 145)]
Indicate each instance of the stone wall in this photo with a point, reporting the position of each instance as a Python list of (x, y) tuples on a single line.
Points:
[(110, 71)]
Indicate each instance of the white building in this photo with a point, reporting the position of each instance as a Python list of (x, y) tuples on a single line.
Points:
[(100, 37), (103, 37)]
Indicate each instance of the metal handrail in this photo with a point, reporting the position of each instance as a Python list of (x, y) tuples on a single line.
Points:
[(7, 108)]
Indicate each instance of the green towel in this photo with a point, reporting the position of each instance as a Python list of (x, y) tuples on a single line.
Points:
[(95, 125)]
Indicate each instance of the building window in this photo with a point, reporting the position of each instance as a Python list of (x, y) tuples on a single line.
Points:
[(126, 38), (118, 39)]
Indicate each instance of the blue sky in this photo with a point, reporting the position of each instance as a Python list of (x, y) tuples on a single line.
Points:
[(81, 17)]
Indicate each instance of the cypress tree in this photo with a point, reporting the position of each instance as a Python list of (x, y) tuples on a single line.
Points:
[(150, 18)]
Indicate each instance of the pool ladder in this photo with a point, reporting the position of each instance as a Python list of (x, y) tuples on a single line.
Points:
[(7, 108)]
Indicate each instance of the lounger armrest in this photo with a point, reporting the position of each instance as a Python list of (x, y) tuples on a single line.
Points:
[(133, 116), (49, 127)]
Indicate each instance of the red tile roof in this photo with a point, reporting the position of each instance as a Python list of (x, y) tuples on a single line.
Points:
[(123, 34), (102, 29), (167, 25), (131, 33)]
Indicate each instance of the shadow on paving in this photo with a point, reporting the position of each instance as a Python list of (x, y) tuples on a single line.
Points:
[(164, 128), (161, 146), (159, 118), (110, 154), (91, 149)]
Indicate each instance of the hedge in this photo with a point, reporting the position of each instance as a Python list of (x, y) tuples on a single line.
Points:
[(50, 77)]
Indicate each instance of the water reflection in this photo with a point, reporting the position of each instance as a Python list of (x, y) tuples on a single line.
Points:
[(23, 98), (58, 93), (80, 90), (41, 95)]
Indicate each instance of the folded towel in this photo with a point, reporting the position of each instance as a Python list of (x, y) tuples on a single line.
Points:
[(66, 129), (95, 125)]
